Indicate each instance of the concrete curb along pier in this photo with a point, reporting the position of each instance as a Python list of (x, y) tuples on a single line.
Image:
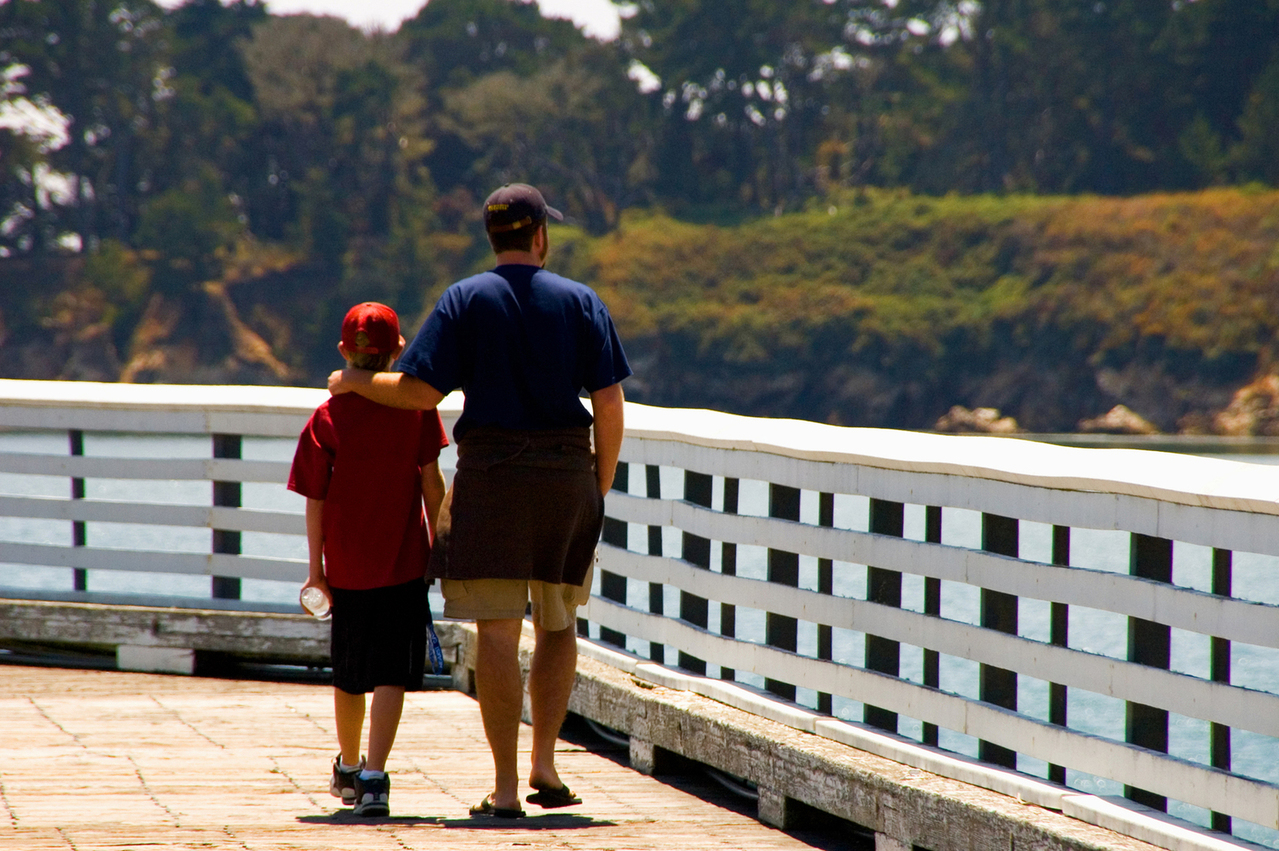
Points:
[(165, 640)]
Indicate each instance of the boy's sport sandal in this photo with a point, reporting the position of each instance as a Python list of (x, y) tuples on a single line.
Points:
[(342, 783), (373, 796)]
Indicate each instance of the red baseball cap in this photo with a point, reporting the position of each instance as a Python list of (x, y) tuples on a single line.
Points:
[(371, 328)]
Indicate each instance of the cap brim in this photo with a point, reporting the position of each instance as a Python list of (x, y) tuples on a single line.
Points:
[(554, 213)]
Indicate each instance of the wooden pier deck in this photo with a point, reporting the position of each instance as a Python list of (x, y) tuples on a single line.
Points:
[(111, 760)]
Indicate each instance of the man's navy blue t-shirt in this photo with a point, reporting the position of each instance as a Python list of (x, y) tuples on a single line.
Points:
[(522, 343)]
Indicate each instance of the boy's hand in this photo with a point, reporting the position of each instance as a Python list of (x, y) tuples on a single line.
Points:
[(322, 584)]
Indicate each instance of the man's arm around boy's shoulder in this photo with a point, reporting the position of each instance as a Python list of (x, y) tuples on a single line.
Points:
[(393, 389)]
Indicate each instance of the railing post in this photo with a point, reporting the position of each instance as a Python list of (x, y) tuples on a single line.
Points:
[(885, 588), (653, 484), (226, 495), (825, 585), (782, 631), (932, 606), (998, 612), (1149, 643), (728, 567), (1059, 635), (696, 550), (80, 576), (612, 585), (1222, 582)]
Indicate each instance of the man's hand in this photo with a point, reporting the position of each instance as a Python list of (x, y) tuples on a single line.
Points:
[(607, 406), (340, 380)]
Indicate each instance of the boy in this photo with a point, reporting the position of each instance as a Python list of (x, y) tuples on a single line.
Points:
[(365, 470)]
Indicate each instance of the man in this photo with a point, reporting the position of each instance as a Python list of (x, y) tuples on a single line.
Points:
[(523, 515)]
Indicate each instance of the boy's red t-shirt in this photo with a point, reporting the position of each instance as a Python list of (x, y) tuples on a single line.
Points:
[(365, 461)]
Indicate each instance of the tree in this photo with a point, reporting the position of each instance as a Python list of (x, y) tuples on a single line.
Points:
[(1113, 97), (189, 229), (100, 64), (572, 129), (1224, 55), (765, 103), (336, 115), (1256, 155), (30, 206), (454, 42), (343, 144), (457, 46), (210, 117)]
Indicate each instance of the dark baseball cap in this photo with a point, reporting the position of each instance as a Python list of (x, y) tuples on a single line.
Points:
[(371, 329), (515, 206)]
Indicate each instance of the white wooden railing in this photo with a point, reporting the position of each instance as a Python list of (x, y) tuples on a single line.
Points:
[(935, 587)]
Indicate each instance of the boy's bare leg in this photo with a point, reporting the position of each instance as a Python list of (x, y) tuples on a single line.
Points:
[(348, 711), (550, 684), (501, 696), (384, 721)]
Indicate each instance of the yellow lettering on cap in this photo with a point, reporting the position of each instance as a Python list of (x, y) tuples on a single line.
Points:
[(499, 206)]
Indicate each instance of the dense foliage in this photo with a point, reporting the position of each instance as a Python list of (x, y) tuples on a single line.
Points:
[(214, 184)]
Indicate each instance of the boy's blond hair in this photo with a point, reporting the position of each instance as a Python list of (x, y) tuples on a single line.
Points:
[(369, 361)]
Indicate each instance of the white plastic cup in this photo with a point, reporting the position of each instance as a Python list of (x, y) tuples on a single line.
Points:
[(316, 602)]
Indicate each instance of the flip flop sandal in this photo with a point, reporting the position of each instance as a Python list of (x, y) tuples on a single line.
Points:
[(550, 799), (486, 808)]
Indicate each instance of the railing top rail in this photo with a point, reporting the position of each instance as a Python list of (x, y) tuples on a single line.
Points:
[(174, 397), (260, 399), (173, 408), (1168, 477), (1165, 476)]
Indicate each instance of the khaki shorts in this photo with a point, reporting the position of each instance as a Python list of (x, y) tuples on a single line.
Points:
[(554, 606)]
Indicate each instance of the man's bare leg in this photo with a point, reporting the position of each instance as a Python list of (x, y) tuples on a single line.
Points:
[(501, 696), (550, 684)]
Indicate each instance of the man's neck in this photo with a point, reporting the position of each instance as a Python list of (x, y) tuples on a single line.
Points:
[(518, 258)]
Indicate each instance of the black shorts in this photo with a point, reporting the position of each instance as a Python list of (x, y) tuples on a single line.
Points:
[(379, 637)]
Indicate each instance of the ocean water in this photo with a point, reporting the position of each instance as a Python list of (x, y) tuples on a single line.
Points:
[(1255, 578)]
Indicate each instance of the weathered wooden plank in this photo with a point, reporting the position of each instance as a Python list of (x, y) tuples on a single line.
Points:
[(207, 517), (197, 564), (283, 637), (162, 469)]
